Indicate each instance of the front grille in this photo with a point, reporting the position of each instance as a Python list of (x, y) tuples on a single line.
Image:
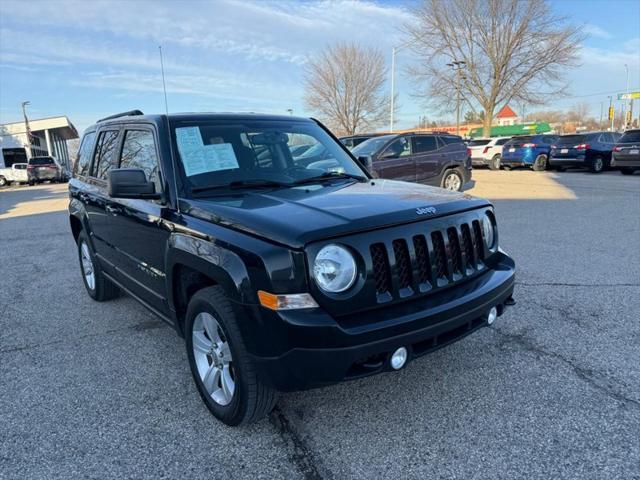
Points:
[(421, 262)]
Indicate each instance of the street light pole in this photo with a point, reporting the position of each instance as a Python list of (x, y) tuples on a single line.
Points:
[(612, 116), (624, 118), (457, 67)]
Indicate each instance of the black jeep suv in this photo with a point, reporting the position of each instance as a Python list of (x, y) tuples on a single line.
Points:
[(279, 275)]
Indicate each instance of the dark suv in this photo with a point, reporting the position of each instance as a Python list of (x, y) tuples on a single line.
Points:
[(40, 169), (435, 159), (626, 152), (279, 276), (588, 150)]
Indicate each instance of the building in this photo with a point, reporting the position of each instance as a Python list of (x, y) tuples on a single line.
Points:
[(506, 116), (48, 137)]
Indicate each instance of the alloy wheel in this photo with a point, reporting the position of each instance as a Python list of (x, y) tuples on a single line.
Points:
[(452, 182), (87, 266), (213, 358)]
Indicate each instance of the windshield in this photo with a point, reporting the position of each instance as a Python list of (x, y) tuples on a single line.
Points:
[(371, 146), (478, 143), (257, 153)]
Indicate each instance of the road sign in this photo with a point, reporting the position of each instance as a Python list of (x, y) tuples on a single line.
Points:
[(611, 111), (628, 96)]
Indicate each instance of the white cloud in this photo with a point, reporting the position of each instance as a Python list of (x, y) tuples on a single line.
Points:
[(595, 31)]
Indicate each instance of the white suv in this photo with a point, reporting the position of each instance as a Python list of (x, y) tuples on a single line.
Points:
[(487, 151)]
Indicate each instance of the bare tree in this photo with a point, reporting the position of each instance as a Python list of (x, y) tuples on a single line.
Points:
[(345, 86), (512, 49)]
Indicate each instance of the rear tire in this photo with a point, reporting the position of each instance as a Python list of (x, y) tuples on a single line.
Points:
[(597, 164), (627, 170), (452, 180), (540, 163), (494, 164), (234, 393), (3, 182), (98, 286)]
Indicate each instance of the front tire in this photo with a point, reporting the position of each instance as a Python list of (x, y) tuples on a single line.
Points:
[(495, 162), (222, 369), (3, 182), (452, 180), (98, 286), (540, 163)]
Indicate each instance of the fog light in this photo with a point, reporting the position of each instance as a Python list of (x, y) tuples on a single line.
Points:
[(399, 358), (492, 315)]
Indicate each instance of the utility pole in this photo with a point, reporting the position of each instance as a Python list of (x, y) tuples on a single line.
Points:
[(611, 113), (457, 67)]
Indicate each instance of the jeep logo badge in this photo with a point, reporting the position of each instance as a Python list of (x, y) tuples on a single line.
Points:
[(426, 211)]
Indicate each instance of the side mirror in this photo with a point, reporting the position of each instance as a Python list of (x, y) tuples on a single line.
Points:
[(131, 183), (366, 161), (388, 154)]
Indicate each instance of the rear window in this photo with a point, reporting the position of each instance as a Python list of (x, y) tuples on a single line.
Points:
[(502, 141), (41, 161), (630, 137), (424, 143), (520, 140), (447, 139), (478, 143), (571, 139)]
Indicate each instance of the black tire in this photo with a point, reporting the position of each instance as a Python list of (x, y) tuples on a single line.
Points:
[(252, 400), (627, 170), (494, 164), (449, 173), (597, 164), (102, 289), (540, 163), (3, 182)]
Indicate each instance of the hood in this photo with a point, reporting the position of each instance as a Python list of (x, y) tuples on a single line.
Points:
[(300, 215)]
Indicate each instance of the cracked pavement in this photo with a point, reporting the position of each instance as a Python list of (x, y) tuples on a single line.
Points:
[(552, 390)]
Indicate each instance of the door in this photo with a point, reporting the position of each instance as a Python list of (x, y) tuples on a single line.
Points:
[(95, 198), (427, 156), (140, 234), (396, 161)]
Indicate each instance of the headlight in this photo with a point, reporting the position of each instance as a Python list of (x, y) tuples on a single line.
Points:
[(488, 231), (334, 269)]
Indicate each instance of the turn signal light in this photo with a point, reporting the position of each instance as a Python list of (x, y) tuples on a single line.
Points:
[(286, 302)]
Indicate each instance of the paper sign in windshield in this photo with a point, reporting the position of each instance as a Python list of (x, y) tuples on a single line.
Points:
[(198, 158)]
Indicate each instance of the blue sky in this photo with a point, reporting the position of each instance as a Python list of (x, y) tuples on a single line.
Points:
[(90, 59)]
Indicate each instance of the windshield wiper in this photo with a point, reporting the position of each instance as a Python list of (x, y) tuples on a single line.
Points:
[(328, 176), (237, 184)]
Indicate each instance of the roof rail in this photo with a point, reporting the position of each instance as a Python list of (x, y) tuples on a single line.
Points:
[(130, 113)]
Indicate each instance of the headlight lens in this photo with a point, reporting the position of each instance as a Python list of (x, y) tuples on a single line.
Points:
[(334, 269), (488, 231)]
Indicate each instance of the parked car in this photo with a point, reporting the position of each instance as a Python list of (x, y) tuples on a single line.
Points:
[(40, 169), (355, 140), (528, 151), (626, 152), (17, 173), (297, 150), (487, 151), (439, 159), (590, 150), (279, 277)]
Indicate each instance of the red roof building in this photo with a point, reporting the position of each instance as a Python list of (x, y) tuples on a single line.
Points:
[(506, 116)]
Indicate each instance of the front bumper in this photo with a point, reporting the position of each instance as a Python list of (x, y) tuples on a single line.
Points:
[(328, 350)]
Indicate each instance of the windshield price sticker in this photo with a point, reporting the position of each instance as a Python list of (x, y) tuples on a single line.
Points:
[(198, 158)]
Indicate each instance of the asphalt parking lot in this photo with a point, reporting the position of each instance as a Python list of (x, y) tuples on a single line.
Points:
[(552, 390)]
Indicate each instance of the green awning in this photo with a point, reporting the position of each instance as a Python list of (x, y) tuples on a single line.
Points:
[(511, 130)]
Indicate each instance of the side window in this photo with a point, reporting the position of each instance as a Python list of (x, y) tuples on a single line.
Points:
[(502, 141), (139, 151), (105, 158), (83, 159), (400, 147), (424, 143)]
